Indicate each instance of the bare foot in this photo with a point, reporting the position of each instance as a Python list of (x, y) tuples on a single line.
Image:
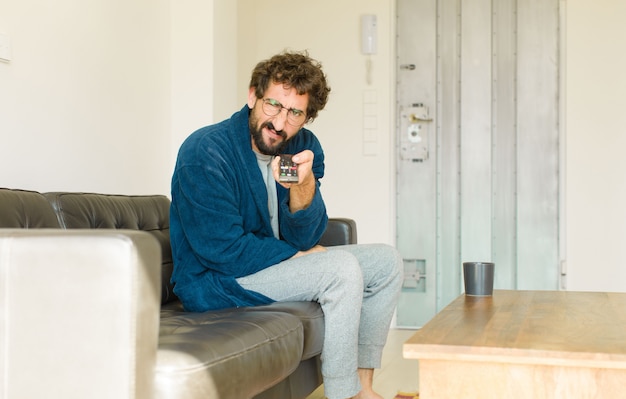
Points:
[(366, 376)]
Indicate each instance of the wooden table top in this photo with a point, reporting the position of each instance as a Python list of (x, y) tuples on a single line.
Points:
[(546, 327)]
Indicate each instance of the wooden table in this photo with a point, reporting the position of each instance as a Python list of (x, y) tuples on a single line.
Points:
[(524, 344)]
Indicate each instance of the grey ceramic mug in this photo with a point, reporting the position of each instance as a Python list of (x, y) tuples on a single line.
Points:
[(478, 277)]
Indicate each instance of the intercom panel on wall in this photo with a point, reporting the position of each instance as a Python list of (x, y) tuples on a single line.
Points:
[(368, 34)]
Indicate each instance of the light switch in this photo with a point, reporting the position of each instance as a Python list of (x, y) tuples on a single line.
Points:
[(369, 96), (369, 109), (5, 48), (370, 122), (370, 148)]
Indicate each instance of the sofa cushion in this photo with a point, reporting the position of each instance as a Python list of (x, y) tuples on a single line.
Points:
[(311, 317), (149, 213), (25, 209), (309, 313), (232, 353)]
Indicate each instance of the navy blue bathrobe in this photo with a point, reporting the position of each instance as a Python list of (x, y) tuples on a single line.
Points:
[(219, 218)]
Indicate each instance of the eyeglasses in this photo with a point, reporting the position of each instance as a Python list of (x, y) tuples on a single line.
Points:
[(295, 117)]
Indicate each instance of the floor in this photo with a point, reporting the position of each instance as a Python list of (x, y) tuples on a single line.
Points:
[(396, 374)]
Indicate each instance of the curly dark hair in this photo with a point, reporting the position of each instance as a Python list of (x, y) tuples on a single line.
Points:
[(297, 70)]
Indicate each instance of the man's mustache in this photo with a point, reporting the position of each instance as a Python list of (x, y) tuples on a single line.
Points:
[(270, 126)]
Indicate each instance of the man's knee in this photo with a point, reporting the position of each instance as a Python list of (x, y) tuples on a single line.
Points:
[(346, 269), (388, 256), (390, 263)]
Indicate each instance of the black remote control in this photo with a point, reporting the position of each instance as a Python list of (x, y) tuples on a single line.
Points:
[(288, 169)]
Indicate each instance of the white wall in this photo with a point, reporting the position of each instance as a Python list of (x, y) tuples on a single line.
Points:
[(204, 81), (596, 139), (85, 102), (192, 57)]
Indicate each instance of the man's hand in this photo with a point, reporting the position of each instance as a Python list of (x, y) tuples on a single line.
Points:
[(317, 248), (301, 193)]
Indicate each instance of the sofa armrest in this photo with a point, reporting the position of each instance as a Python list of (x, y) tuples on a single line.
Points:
[(79, 313), (339, 231)]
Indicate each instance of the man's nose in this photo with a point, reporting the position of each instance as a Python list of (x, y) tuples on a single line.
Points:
[(281, 119)]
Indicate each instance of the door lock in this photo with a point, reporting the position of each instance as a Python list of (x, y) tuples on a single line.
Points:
[(414, 142)]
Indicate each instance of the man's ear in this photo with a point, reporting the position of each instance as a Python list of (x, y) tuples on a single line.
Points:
[(251, 97)]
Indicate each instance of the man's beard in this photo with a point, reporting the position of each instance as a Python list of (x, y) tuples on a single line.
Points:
[(257, 135)]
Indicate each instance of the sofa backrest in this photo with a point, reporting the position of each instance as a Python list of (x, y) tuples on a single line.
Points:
[(25, 209), (148, 213), (66, 210)]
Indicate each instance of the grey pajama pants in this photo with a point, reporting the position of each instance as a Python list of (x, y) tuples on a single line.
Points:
[(357, 287)]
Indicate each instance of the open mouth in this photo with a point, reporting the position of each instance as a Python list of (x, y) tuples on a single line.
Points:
[(273, 133)]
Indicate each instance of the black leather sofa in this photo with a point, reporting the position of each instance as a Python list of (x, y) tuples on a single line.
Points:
[(260, 352)]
